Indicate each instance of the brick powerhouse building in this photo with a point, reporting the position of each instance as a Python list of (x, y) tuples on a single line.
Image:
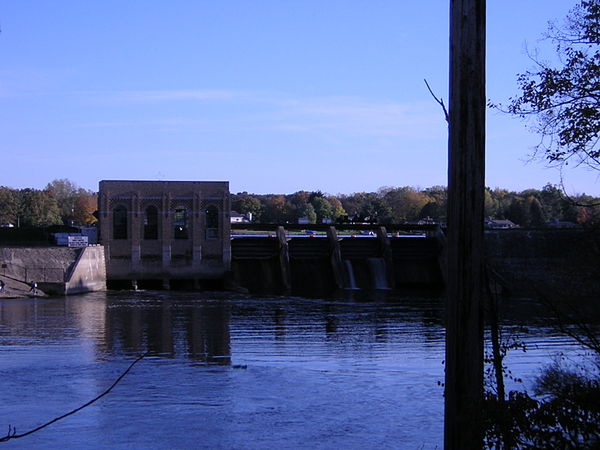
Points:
[(164, 233)]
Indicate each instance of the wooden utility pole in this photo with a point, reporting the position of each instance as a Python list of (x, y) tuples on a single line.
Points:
[(466, 184)]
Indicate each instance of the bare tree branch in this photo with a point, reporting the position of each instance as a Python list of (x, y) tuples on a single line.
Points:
[(583, 334), (439, 101), (572, 200)]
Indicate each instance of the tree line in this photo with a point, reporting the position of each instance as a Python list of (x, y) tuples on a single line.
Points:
[(528, 208), (62, 202)]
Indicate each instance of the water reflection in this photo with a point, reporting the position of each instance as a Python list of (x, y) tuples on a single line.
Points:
[(166, 328), (161, 327), (39, 319)]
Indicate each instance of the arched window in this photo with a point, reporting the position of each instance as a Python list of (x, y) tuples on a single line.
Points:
[(151, 223), (212, 222), (120, 222), (180, 223)]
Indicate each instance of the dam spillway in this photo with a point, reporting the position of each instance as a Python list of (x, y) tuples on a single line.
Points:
[(312, 264)]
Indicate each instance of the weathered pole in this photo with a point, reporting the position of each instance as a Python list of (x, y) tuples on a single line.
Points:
[(466, 183)]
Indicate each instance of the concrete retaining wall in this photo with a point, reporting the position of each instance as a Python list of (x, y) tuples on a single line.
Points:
[(88, 273), (546, 262), (39, 264), (56, 270)]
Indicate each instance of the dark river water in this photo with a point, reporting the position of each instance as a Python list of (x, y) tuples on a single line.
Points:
[(227, 371)]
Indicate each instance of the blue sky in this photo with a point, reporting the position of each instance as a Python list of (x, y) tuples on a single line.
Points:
[(274, 96)]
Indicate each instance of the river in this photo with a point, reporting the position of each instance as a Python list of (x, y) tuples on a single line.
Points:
[(227, 371)]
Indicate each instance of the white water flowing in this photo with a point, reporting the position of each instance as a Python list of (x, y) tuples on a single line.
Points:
[(377, 268), (350, 274)]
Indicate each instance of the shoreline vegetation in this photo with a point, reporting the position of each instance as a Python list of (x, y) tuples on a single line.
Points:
[(62, 202)]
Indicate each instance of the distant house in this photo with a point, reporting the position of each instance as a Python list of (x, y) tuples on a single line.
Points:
[(500, 224), (426, 221), (555, 223), (236, 217)]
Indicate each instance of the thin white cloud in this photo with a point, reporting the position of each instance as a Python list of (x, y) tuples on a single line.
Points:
[(175, 95), (260, 111), (361, 117)]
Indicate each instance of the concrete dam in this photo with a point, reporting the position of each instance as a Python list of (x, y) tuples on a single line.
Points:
[(521, 262), (314, 264)]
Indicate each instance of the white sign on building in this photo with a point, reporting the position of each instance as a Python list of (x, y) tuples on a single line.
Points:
[(78, 241)]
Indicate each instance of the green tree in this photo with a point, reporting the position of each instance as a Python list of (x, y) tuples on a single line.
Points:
[(517, 212), (296, 203), (438, 195), (322, 209), (366, 207), (9, 205), (564, 102), (535, 212), (308, 212), (38, 209), (434, 210), (245, 203), (490, 204), (552, 199), (353, 203), (64, 192), (274, 209), (315, 194), (337, 208), (569, 210), (376, 210), (503, 199)]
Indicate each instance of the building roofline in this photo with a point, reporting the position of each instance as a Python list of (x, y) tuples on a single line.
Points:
[(164, 181)]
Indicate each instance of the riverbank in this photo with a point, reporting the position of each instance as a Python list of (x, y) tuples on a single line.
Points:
[(18, 289)]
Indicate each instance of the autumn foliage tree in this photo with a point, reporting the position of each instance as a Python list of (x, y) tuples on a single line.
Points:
[(528, 208), (564, 102), (76, 204), (84, 205), (61, 202)]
